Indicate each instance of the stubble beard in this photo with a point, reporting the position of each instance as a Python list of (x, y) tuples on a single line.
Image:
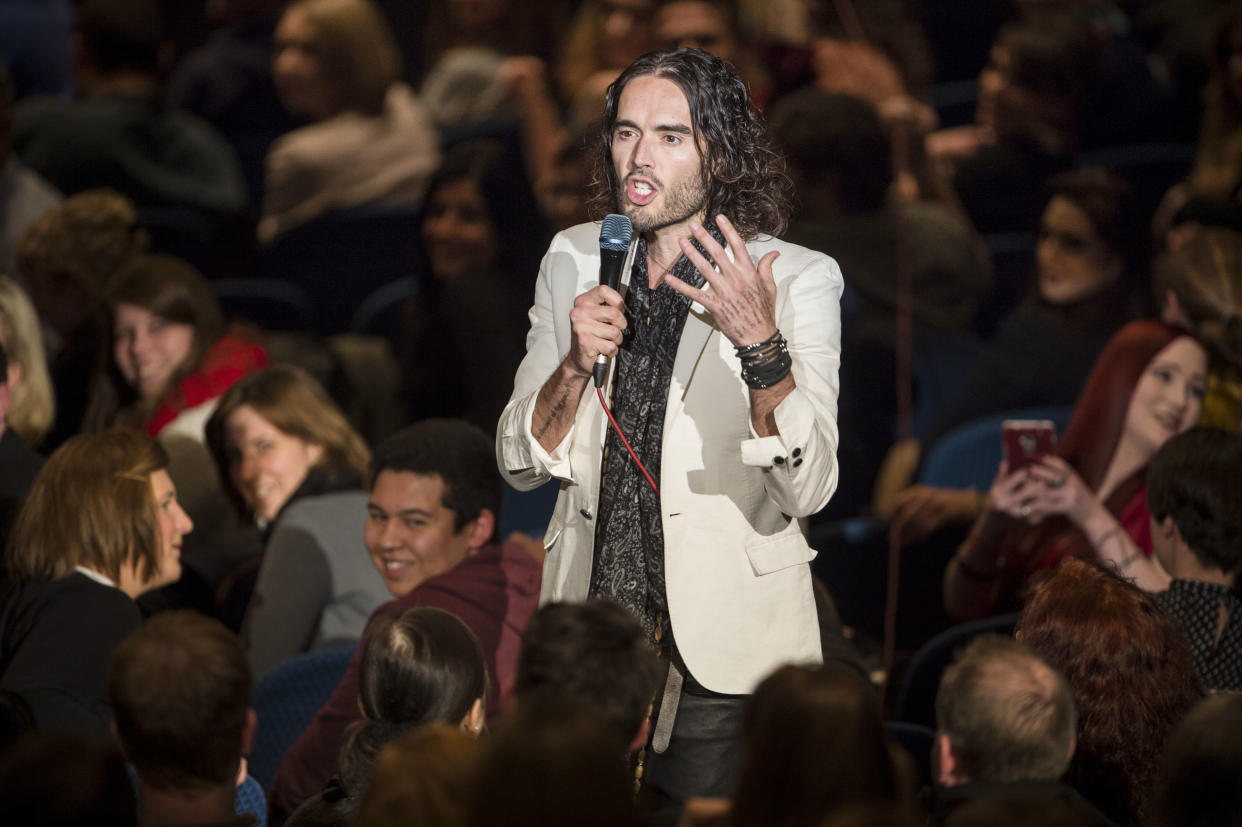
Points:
[(685, 199)]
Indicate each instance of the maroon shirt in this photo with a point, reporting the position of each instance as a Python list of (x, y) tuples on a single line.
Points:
[(494, 592)]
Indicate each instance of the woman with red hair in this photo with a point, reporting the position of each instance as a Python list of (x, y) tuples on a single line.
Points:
[(1089, 500), (1130, 673)]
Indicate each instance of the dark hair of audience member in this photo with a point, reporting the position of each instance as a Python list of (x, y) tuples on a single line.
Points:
[(173, 290), (1192, 479), (460, 454), (429, 771), (296, 404), (1039, 105), (744, 176), (48, 779), (1108, 201), (1205, 278), (500, 177), (595, 653), (1200, 782), (1009, 716), (836, 147), (1131, 674), (122, 35), (554, 765), (90, 504), (812, 740), (423, 666), (180, 692)]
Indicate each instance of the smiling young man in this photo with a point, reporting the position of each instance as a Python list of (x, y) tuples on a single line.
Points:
[(726, 386), (431, 525)]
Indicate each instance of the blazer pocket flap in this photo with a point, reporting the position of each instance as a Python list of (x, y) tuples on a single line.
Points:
[(789, 548)]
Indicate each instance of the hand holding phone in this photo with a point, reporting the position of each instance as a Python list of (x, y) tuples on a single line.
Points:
[(1027, 441)]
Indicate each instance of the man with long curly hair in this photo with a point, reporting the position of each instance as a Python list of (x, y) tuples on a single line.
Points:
[(723, 344)]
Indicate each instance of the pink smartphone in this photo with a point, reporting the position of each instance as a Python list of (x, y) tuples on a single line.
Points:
[(1027, 440)]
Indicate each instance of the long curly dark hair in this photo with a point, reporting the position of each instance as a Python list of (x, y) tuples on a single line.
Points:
[(746, 179)]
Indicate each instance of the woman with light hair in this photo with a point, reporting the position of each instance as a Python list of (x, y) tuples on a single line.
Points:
[(289, 460), (32, 405), (370, 141)]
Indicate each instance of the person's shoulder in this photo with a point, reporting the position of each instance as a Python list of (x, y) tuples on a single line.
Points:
[(580, 237), (318, 510), (794, 258)]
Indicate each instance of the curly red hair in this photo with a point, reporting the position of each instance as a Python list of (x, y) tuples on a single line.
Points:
[(1131, 674)]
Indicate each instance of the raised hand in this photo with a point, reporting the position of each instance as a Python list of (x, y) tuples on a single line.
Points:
[(742, 297)]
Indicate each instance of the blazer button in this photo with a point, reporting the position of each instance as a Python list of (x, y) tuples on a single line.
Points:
[(796, 463), (584, 513), (778, 460), (797, 452)]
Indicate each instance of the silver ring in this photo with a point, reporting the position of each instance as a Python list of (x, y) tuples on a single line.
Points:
[(1026, 511), (1058, 482)]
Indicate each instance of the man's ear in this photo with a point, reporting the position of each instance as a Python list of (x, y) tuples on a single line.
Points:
[(946, 761), (1169, 531), (481, 529), (640, 738)]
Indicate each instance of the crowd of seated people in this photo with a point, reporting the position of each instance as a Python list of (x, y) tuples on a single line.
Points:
[(200, 488)]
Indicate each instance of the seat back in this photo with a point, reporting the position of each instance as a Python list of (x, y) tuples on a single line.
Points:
[(286, 698), (917, 701)]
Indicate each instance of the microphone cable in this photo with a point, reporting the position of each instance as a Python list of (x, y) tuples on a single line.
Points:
[(599, 392)]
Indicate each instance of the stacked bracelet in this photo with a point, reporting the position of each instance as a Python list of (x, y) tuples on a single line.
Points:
[(765, 363)]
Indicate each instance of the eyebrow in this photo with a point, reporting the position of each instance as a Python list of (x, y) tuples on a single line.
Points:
[(678, 128), (407, 512)]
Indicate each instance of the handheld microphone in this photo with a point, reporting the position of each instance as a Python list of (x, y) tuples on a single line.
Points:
[(614, 244)]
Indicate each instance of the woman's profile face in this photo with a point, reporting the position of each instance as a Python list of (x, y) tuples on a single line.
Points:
[(298, 69), (458, 232), (172, 524), (149, 350), (1168, 397), (1073, 261), (266, 464), (992, 81)]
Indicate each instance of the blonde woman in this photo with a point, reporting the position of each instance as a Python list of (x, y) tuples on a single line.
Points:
[(32, 405)]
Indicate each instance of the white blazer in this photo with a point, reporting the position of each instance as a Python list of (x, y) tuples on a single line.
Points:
[(736, 562)]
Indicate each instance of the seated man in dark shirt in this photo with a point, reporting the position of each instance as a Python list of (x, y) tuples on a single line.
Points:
[(434, 508), (1006, 726), (1194, 496)]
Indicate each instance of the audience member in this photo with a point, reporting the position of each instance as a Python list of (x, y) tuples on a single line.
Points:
[(553, 765), (68, 259), (31, 404), (594, 654), (289, 460), (116, 134), (482, 239), (228, 83), (1089, 499), (180, 693), (1131, 675), (1199, 286), (1217, 172), (1026, 127), (370, 141), (604, 37), (1200, 781), (57, 780), (18, 463), (1006, 726), (1194, 496), (422, 667), (565, 189), (812, 741), (434, 507), (172, 356), (505, 27), (24, 196), (429, 771), (1089, 281), (711, 25), (100, 526)]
